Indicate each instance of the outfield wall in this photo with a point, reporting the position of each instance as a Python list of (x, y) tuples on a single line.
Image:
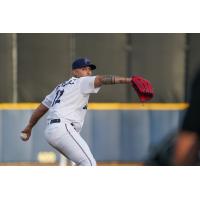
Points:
[(114, 131)]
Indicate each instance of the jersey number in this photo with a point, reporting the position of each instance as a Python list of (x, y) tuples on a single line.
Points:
[(59, 93)]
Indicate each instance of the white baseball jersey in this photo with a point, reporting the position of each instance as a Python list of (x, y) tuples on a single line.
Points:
[(68, 101)]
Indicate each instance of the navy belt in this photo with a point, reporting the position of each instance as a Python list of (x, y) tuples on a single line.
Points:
[(57, 121)]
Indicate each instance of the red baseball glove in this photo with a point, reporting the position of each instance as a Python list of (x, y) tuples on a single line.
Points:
[(143, 88)]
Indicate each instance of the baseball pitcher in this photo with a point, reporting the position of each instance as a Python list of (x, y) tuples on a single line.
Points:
[(67, 106)]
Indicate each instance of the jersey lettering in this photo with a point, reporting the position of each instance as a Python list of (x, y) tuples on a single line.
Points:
[(70, 82)]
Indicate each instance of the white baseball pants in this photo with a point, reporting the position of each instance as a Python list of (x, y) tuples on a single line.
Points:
[(64, 138)]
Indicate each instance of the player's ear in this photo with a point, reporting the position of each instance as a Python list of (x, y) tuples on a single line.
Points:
[(75, 73)]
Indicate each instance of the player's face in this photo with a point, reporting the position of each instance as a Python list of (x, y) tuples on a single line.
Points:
[(84, 71)]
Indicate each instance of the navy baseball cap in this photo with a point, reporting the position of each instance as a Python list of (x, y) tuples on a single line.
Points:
[(82, 62)]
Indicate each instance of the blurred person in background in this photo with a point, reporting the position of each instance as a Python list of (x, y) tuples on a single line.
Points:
[(183, 146), (186, 151)]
